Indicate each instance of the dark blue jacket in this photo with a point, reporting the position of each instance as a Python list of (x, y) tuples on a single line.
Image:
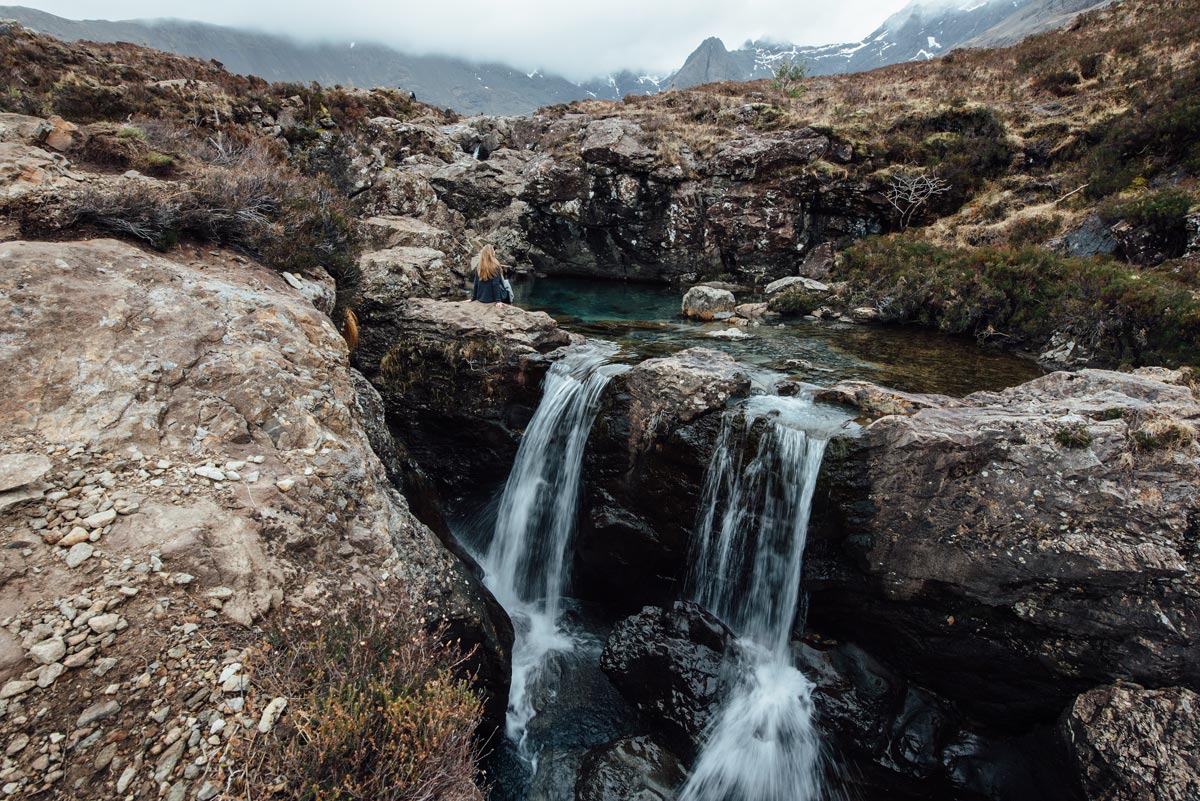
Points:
[(489, 291)]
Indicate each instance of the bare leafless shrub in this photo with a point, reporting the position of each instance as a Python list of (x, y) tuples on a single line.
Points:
[(909, 192)]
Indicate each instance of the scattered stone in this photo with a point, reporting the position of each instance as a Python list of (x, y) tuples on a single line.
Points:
[(74, 537), (285, 484), (271, 714), (17, 744), (100, 519), (211, 473), (80, 658), (48, 651), (102, 624), (50, 674), (97, 712), (16, 687), (79, 554)]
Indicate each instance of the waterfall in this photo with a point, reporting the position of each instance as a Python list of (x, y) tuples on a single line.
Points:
[(525, 565), (745, 568)]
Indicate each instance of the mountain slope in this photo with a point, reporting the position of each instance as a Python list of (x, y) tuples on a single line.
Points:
[(919, 31), (441, 81)]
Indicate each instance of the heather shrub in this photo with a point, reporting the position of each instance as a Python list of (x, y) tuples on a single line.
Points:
[(1026, 294), (378, 708)]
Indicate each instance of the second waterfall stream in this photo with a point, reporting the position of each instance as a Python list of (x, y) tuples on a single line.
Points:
[(746, 564), (526, 563)]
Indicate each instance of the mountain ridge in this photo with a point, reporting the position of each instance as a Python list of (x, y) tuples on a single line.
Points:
[(921, 30)]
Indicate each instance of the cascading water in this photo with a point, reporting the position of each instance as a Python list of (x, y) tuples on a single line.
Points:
[(525, 565), (746, 566)]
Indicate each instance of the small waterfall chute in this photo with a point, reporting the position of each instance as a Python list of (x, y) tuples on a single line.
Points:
[(525, 566), (746, 564)]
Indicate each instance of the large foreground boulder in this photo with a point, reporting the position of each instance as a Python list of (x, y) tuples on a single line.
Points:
[(195, 456)]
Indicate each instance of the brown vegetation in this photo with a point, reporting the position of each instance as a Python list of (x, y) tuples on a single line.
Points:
[(377, 708)]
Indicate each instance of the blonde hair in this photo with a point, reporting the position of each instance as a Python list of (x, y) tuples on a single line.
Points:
[(489, 265)]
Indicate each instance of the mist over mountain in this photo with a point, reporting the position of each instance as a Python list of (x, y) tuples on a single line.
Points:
[(921, 30)]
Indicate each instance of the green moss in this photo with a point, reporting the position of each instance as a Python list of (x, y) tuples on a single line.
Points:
[(1076, 436), (797, 301)]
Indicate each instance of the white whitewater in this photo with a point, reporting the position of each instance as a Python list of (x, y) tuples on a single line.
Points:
[(525, 565), (746, 566)]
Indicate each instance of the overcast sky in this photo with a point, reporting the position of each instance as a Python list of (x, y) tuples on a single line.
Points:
[(578, 40)]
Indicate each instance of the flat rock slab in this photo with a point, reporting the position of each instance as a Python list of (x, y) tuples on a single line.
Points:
[(20, 469)]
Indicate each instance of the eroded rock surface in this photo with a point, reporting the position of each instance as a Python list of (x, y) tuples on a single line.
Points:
[(458, 378), (643, 471)]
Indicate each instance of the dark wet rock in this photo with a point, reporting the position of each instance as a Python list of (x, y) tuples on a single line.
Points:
[(458, 378), (556, 775), (1091, 238), (1135, 744), (1147, 245), (1192, 224), (580, 706), (672, 665), (891, 738), (1017, 548), (630, 769), (643, 471)]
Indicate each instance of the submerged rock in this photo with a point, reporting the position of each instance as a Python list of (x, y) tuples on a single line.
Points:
[(630, 769)]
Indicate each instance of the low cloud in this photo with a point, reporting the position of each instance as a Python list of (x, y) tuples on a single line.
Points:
[(578, 40)]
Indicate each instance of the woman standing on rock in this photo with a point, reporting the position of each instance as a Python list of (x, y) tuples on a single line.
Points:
[(490, 285)]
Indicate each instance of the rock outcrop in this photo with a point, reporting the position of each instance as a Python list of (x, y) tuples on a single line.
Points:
[(458, 378), (1017, 548), (197, 455), (643, 472), (569, 193)]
